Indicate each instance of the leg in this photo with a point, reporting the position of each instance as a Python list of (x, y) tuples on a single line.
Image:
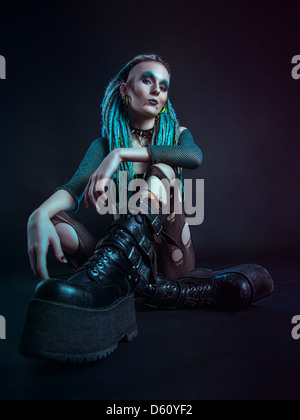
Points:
[(172, 261), (68, 237), (84, 317), (77, 242)]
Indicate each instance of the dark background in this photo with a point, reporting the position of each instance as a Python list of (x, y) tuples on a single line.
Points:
[(231, 86)]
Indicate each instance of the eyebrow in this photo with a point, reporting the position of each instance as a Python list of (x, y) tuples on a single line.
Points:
[(150, 74)]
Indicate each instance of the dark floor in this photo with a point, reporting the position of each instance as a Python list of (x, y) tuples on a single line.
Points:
[(178, 355)]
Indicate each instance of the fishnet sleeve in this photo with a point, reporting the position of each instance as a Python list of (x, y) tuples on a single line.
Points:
[(185, 155), (97, 151)]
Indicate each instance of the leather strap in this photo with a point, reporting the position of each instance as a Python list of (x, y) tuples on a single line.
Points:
[(144, 265)]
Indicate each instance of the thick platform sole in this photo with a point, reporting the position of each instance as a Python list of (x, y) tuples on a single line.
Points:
[(65, 333)]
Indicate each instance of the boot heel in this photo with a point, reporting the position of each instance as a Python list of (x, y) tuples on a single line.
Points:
[(65, 333)]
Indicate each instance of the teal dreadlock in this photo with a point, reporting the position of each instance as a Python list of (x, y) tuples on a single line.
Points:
[(115, 123)]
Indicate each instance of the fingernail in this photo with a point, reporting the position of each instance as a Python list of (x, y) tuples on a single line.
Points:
[(64, 260)]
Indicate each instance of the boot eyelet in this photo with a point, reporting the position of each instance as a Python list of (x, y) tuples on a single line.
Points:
[(109, 251), (129, 277), (193, 289), (105, 259), (94, 272), (199, 288), (207, 287), (101, 265)]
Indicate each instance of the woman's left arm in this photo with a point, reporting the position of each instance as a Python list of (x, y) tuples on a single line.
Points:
[(135, 154), (185, 155)]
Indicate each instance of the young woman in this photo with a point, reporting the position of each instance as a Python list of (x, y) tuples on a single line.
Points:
[(144, 255), (136, 113)]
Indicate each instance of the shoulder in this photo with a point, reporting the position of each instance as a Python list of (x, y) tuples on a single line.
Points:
[(181, 129), (185, 136), (100, 142), (184, 132), (98, 147)]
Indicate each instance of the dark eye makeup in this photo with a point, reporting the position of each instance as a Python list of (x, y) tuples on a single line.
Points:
[(163, 86)]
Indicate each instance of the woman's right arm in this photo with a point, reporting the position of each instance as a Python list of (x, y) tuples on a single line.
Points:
[(61, 200), (41, 232), (40, 229)]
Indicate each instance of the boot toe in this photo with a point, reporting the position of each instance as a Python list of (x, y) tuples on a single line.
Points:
[(234, 291), (59, 291), (260, 280), (254, 282)]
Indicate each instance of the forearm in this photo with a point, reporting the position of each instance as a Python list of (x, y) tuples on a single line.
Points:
[(135, 154), (60, 201)]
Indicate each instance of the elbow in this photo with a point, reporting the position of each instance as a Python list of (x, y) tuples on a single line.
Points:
[(197, 160)]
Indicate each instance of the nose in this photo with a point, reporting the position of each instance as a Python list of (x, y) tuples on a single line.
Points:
[(155, 90)]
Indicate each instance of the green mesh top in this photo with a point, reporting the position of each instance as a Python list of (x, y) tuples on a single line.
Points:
[(185, 155)]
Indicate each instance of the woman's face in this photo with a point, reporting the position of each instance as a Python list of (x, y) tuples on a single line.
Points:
[(147, 89)]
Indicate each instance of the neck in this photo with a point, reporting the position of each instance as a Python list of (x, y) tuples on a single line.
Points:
[(142, 123)]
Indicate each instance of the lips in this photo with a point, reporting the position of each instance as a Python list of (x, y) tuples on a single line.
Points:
[(153, 101)]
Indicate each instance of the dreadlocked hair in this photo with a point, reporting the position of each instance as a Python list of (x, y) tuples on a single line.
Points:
[(115, 119)]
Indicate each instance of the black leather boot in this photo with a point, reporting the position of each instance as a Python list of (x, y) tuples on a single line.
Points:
[(229, 289), (84, 318)]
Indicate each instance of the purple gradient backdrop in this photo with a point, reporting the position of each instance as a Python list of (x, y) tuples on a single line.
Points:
[(231, 86)]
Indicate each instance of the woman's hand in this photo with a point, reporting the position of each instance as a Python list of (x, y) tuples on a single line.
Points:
[(40, 234), (101, 177)]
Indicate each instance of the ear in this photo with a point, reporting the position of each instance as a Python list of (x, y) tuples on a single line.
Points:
[(123, 89)]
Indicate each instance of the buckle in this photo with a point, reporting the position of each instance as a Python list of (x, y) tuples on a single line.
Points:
[(157, 226), (135, 257), (146, 245)]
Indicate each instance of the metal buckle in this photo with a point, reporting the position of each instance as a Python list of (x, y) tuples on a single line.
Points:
[(139, 263), (136, 261), (145, 245), (155, 226)]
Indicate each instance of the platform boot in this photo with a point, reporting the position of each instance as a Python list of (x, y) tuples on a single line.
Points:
[(229, 289), (85, 317)]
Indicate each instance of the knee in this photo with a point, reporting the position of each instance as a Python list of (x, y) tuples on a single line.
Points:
[(164, 171)]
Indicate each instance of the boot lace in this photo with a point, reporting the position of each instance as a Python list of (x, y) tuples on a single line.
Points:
[(198, 295), (97, 261)]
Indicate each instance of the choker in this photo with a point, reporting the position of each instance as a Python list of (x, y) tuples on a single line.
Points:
[(142, 133)]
